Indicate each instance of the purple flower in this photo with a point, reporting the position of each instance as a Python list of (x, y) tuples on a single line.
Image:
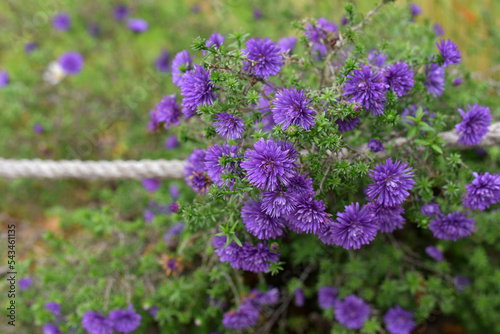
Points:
[(181, 64), (264, 58), (435, 253), (256, 259), (245, 316), (61, 22), (434, 80), (438, 29), (375, 145), (151, 185), (452, 226), (153, 310), (30, 47), (300, 186), (457, 81), (174, 192), (175, 207), (327, 296), (230, 253), (483, 191), (287, 44), (399, 321), (292, 107), (344, 21), (217, 168), (269, 297), (388, 218), (4, 78), (96, 323), (474, 125), (168, 112), (348, 124), (354, 227), (176, 229), (93, 29), (137, 25), (148, 215), (195, 172), (367, 88), (317, 32), (318, 51), (352, 312), (270, 163), (309, 216), (38, 128), (415, 9), (412, 111), (71, 62), (377, 58), (300, 298), (120, 12), (461, 282), (53, 307), (259, 223), (279, 203), (50, 328), (229, 126), (197, 90), (125, 321), (399, 76), (25, 283), (391, 183), (215, 40), (257, 14), (172, 142), (162, 63), (430, 209), (449, 52)]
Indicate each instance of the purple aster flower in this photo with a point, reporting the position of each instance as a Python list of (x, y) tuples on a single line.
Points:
[(354, 227), (270, 297), (4, 78), (53, 307), (153, 310), (168, 111), (257, 14), (25, 283), (175, 193), (375, 145), (96, 323), (38, 128), (197, 90), (120, 12), (367, 88), (348, 124), (299, 297), (256, 259), (474, 125), (377, 58), (94, 29), (317, 32), (438, 29), (391, 183), (30, 47), (172, 142), (434, 80), (430, 209), (215, 40), (292, 107), (412, 111), (175, 207), (399, 321), (217, 168), (270, 163), (279, 203), (197, 159), (148, 215), (125, 321), (483, 191), (327, 296), (449, 52), (309, 216), (399, 76), (151, 185), (195, 172), (162, 63), (388, 218), (300, 186), (50, 328), (264, 58), (259, 223), (230, 253), (245, 316), (415, 9), (461, 282), (71, 62), (229, 126), (344, 21), (452, 226), (287, 44), (435, 253), (176, 229), (61, 22), (457, 81), (181, 64), (352, 312), (318, 51), (137, 25)]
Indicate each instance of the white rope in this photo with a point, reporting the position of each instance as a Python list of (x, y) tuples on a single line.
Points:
[(164, 169)]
